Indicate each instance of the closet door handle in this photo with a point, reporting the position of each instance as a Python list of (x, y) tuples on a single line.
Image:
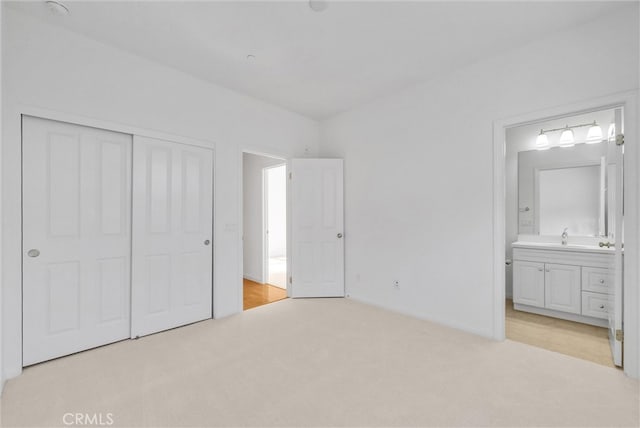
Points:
[(207, 242)]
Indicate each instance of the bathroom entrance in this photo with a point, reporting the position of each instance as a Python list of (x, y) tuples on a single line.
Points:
[(564, 234)]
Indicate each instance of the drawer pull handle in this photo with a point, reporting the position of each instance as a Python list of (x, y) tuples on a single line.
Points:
[(602, 281), (601, 306)]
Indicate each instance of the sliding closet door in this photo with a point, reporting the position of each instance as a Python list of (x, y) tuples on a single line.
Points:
[(172, 235), (76, 238)]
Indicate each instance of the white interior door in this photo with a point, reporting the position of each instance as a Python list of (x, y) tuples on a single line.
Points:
[(317, 253), (615, 187), (172, 235), (76, 238)]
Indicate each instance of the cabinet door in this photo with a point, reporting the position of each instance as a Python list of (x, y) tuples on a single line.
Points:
[(562, 288), (528, 283)]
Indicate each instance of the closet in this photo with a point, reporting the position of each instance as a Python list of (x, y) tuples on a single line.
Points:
[(117, 237)]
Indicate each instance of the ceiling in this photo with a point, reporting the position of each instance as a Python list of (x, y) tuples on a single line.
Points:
[(317, 63)]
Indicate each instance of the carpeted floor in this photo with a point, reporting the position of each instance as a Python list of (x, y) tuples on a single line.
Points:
[(321, 362)]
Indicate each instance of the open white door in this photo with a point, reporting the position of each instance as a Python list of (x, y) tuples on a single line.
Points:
[(317, 220), (76, 238), (172, 235), (615, 187)]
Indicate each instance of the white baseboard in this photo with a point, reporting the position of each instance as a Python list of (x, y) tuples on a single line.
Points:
[(402, 311), (253, 278)]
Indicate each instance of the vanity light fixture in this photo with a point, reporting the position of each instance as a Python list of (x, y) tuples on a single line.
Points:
[(567, 138), (595, 134)]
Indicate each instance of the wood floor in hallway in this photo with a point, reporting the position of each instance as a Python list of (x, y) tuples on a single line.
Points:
[(579, 340), (256, 294)]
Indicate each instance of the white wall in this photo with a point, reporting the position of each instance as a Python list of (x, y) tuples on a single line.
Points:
[(253, 239), (51, 68), (419, 168), (277, 210)]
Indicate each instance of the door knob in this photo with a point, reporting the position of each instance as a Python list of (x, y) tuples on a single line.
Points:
[(339, 235), (206, 242), (33, 253)]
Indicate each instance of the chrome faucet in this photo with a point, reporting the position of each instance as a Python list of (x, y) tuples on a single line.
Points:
[(565, 236)]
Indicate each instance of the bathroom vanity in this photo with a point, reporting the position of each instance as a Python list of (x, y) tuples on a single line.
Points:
[(571, 282)]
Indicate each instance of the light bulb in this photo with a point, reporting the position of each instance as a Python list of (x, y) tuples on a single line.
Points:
[(542, 141), (594, 135), (566, 138)]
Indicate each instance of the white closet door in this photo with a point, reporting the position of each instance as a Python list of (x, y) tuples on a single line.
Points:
[(172, 235), (76, 238)]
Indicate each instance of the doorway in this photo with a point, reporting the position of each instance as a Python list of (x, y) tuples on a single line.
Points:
[(264, 189), (563, 237), (275, 218)]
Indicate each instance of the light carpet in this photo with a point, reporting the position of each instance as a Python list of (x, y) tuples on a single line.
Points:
[(321, 362)]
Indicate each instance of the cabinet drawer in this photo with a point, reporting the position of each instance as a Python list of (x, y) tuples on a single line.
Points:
[(594, 304), (597, 280)]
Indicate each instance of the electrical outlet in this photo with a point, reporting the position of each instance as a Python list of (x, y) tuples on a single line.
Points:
[(396, 283)]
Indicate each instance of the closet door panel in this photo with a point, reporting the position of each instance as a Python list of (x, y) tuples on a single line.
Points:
[(172, 240), (76, 238)]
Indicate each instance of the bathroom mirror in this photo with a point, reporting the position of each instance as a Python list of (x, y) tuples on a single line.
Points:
[(565, 188)]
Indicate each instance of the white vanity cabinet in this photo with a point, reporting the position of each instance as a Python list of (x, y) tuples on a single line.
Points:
[(562, 283)]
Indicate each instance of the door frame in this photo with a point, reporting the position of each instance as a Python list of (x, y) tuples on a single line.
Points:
[(265, 219), (274, 154), (11, 345), (631, 303)]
